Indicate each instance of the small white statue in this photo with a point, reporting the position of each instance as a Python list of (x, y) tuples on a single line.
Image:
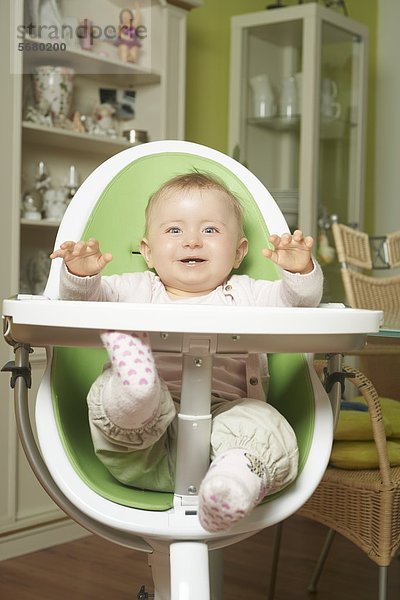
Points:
[(32, 206), (37, 272), (54, 204), (46, 13)]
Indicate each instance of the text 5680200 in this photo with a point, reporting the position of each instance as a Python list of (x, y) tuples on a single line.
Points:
[(42, 46)]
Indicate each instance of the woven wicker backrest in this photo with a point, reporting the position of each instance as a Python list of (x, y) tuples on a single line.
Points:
[(352, 246), (393, 245), (363, 290)]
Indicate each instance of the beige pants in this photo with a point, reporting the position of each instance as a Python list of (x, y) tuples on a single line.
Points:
[(145, 457)]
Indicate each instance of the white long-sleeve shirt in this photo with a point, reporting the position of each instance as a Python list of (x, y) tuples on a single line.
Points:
[(231, 376)]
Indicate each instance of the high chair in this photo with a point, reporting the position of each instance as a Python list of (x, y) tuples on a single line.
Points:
[(110, 206)]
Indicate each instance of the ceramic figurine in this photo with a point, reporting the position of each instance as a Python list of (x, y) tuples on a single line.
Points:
[(45, 13), (128, 41), (77, 123), (103, 122), (37, 272), (54, 204), (32, 206)]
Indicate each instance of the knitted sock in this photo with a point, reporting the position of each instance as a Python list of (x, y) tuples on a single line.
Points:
[(234, 484), (134, 398)]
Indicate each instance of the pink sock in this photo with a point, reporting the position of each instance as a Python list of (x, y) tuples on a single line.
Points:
[(134, 396), (234, 484)]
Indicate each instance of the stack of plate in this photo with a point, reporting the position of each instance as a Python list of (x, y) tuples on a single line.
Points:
[(288, 202)]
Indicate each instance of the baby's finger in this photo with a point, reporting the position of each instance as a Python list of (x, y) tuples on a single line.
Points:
[(79, 248), (68, 245), (286, 239), (298, 235), (105, 259), (269, 253), (275, 240), (309, 241), (93, 244)]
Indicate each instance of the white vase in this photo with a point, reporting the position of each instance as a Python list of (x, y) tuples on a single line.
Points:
[(53, 89)]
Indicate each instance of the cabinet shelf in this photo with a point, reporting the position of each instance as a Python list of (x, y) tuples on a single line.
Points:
[(53, 223), (330, 128), (89, 63), (276, 123), (71, 140)]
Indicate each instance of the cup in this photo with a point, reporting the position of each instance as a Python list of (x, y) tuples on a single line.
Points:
[(330, 108), (263, 97), (299, 85), (289, 100)]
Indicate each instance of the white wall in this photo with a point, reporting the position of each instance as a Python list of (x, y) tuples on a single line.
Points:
[(387, 141)]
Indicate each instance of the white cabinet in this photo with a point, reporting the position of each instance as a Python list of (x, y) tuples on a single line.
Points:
[(300, 126), (28, 518)]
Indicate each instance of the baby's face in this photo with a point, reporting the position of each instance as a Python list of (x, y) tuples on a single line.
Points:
[(193, 242)]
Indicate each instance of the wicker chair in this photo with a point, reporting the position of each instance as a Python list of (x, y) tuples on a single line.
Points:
[(358, 251), (362, 505), (358, 254)]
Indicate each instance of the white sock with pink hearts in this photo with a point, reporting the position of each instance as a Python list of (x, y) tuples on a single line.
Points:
[(134, 398), (234, 484)]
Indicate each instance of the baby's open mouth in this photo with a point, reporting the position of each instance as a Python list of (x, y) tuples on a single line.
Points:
[(192, 260)]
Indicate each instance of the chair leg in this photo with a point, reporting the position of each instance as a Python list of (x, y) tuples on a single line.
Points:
[(321, 561), (159, 562), (275, 561), (190, 577), (383, 573)]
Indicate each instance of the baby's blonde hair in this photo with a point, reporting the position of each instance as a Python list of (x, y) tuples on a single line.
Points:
[(195, 180)]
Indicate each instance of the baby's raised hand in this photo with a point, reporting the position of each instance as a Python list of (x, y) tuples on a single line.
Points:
[(291, 252), (82, 258)]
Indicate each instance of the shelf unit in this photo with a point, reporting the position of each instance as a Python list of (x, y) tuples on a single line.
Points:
[(28, 518), (157, 81), (320, 159)]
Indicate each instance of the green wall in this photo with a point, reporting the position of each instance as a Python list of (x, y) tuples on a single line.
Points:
[(207, 90), (208, 69)]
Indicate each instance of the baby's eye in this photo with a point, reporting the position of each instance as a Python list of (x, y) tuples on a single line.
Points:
[(173, 230), (210, 229)]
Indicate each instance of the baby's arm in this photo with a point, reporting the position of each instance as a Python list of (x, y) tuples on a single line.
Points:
[(82, 259), (291, 252)]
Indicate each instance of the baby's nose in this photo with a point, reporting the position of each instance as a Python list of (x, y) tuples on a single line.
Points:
[(193, 240)]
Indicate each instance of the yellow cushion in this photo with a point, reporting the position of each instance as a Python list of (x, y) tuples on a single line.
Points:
[(356, 424), (391, 412), (362, 455)]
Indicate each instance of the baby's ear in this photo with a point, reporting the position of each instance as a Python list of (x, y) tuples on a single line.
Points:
[(146, 252), (241, 251)]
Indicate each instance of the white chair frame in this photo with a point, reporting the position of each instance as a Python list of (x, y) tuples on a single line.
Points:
[(178, 545)]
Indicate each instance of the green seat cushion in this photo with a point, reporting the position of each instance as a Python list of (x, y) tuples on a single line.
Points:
[(117, 221)]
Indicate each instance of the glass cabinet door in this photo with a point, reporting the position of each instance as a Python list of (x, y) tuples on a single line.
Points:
[(297, 116), (341, 142), (340, 188), (270, 124)]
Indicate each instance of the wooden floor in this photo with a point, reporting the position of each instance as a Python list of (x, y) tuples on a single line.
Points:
[(92, 568)]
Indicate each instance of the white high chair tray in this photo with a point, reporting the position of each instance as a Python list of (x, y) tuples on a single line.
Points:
[(328, 328)]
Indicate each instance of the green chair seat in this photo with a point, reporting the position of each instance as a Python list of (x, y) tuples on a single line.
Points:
[(117, 221)]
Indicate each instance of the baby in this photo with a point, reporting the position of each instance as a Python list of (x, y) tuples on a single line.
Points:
[(193, 240)]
